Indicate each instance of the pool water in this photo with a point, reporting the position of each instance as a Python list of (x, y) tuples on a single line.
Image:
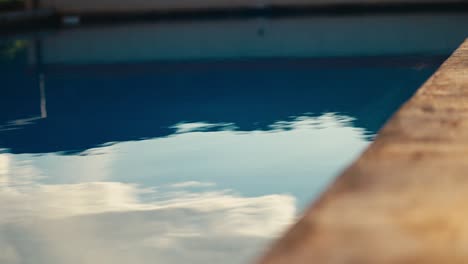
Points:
[(193, 141)]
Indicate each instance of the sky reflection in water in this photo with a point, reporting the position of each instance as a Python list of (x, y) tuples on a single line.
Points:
[(195, 196), (134, 154)]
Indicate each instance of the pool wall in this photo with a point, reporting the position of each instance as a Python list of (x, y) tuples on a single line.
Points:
[(404, 199), (292, 37)]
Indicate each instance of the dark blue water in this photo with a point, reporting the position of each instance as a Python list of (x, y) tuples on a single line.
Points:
[(193, 142)]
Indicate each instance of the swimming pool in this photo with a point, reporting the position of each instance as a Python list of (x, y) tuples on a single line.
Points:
[(193, 141)]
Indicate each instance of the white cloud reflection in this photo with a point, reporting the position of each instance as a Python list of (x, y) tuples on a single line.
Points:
[(113, 222), (193, 197), (184, 127), (192, 184)]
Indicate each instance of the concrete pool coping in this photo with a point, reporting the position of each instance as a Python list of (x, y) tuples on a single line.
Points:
[(404, 199)]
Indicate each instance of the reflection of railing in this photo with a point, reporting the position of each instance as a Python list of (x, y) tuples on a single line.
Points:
[(18, 123), (9, 52)]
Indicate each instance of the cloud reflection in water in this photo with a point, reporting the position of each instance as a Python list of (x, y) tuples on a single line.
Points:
[(206, 194)]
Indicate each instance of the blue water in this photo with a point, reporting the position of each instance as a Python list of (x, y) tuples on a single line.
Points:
[(190, 142)]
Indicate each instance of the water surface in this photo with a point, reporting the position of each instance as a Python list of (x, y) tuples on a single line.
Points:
[(138, 144)]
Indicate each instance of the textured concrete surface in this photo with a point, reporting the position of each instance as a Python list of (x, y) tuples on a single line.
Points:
[(405, 200)]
